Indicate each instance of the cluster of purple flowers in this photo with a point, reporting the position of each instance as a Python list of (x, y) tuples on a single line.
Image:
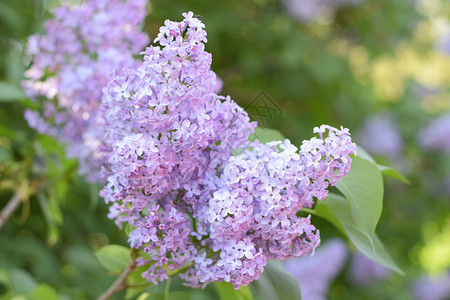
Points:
[(434, 135), (311, 10), (69, 67), (168, 142)]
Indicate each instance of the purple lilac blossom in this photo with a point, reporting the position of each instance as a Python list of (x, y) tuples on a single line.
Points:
[(379, 135), (364, 271), (432, 287), (168, 141), (70, 63), (310, 10), (316, 273), (435, 136)]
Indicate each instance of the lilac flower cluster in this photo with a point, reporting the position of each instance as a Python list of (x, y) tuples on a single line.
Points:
[(379, 135), (70, 64), (311, 10), (168, 141), (434, 135), (315, 273)]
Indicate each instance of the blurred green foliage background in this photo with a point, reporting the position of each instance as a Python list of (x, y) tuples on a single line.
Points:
[(338, 69)]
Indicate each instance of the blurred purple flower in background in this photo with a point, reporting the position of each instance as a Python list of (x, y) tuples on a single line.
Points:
[(315, 273), (443, 42), (436, 135), (310, 10), (364, 271), (70, 63), (379, 135), (432, 287)]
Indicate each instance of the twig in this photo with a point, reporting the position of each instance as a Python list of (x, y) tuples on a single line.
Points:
[(14, 203), (120, 283), (9, 209)]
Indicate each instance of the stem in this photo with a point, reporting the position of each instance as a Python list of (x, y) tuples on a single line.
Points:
[(167, 289), (9, 209), (309, 210), (120, 283), (179, 270)]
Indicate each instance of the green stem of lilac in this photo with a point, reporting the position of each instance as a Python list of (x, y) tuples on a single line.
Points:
[(179, 270), (309, 211), (167, 289)]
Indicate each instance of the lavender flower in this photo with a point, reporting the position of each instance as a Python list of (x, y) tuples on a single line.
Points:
[(315, 273), (432, 288), (70, 64), (365, 271), (380, 136), (435, 135), (168, 143)]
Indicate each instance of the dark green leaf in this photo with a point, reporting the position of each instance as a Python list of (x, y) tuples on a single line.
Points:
[(363, 187), (114, 258), (227, 292), (275, 283)]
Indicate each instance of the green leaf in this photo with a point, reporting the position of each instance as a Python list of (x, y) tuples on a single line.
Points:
[(114, 258), (324, 211), (10, 92), (22, 281), (363, 187), (335, 208), (386, 170), (275, 283), (362, 153), (44, 291), (389, 171), (265, 135), (227, 292)]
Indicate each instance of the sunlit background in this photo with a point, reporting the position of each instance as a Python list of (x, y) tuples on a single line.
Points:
[(378, 67)]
